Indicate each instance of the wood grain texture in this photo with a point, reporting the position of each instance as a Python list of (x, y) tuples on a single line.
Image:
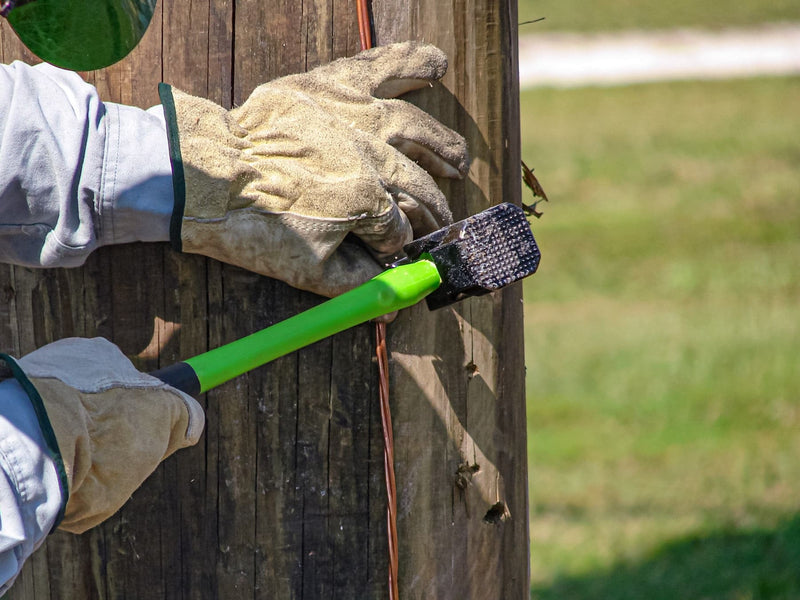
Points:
[(283, 497)]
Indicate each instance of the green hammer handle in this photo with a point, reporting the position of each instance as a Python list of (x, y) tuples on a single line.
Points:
[(392, 290)]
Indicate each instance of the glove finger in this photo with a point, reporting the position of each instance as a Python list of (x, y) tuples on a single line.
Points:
[(347, 268), (387, 318), (388, 71), (422, 220), (437, 148), (417, 194), (387, 233)]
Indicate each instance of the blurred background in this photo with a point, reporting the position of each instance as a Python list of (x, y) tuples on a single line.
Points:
[(663, 327)]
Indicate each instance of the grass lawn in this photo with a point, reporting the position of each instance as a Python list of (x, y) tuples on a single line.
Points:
[(663, 341), (599, 15)]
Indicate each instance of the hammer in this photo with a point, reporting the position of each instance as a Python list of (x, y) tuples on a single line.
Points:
[(478, 255)]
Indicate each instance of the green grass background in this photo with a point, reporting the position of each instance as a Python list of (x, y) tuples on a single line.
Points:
[(662, 341), (599, 15)]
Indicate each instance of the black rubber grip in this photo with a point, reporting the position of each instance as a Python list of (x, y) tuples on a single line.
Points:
[(180, 376)]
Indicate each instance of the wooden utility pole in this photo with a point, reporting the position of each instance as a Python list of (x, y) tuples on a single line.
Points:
[(284, 495)]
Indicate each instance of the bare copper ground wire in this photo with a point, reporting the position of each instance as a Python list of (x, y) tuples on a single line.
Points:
[(365, 35), (364, 29), (388, 456)]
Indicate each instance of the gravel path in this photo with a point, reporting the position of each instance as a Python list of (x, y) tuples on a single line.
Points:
[(570, 60)]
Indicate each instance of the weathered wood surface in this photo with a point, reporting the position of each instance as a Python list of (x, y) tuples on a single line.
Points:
[(283, 497)]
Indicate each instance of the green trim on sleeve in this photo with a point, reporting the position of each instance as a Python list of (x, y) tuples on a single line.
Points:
[(47, 432), (178, 178)]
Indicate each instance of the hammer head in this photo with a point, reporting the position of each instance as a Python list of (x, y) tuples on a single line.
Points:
[(478, 255)]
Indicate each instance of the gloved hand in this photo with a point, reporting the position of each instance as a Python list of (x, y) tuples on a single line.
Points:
[(113, 425), (275, 185)]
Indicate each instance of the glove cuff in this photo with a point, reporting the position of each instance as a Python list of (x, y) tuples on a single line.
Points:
[(210, 172), (114, 425), (175, 158), (48, 433)]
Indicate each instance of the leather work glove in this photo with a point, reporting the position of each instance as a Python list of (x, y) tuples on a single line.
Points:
[(276, 184), (113, 425)]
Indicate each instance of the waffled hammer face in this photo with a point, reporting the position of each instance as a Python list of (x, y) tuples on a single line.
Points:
[(480, 254)]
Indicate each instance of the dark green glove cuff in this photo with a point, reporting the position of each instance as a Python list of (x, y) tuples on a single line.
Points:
[(178, 177), (8, 366)]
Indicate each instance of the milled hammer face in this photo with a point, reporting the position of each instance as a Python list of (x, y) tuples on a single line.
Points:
[(478, 255)]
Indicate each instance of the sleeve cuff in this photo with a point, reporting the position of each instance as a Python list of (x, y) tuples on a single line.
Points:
[(137, 179), (47, 432)]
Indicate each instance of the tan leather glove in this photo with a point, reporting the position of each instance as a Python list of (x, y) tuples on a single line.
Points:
[(276, 185), (113, 425)]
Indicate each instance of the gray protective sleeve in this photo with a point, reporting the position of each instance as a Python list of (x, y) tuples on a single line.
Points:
[(30, 492), (76, 173)]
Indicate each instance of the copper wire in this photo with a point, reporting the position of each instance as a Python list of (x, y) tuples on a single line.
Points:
[(365, 35), (364, 29), (388, 457)]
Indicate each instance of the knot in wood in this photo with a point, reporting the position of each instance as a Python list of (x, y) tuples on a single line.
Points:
[(464, 475)]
